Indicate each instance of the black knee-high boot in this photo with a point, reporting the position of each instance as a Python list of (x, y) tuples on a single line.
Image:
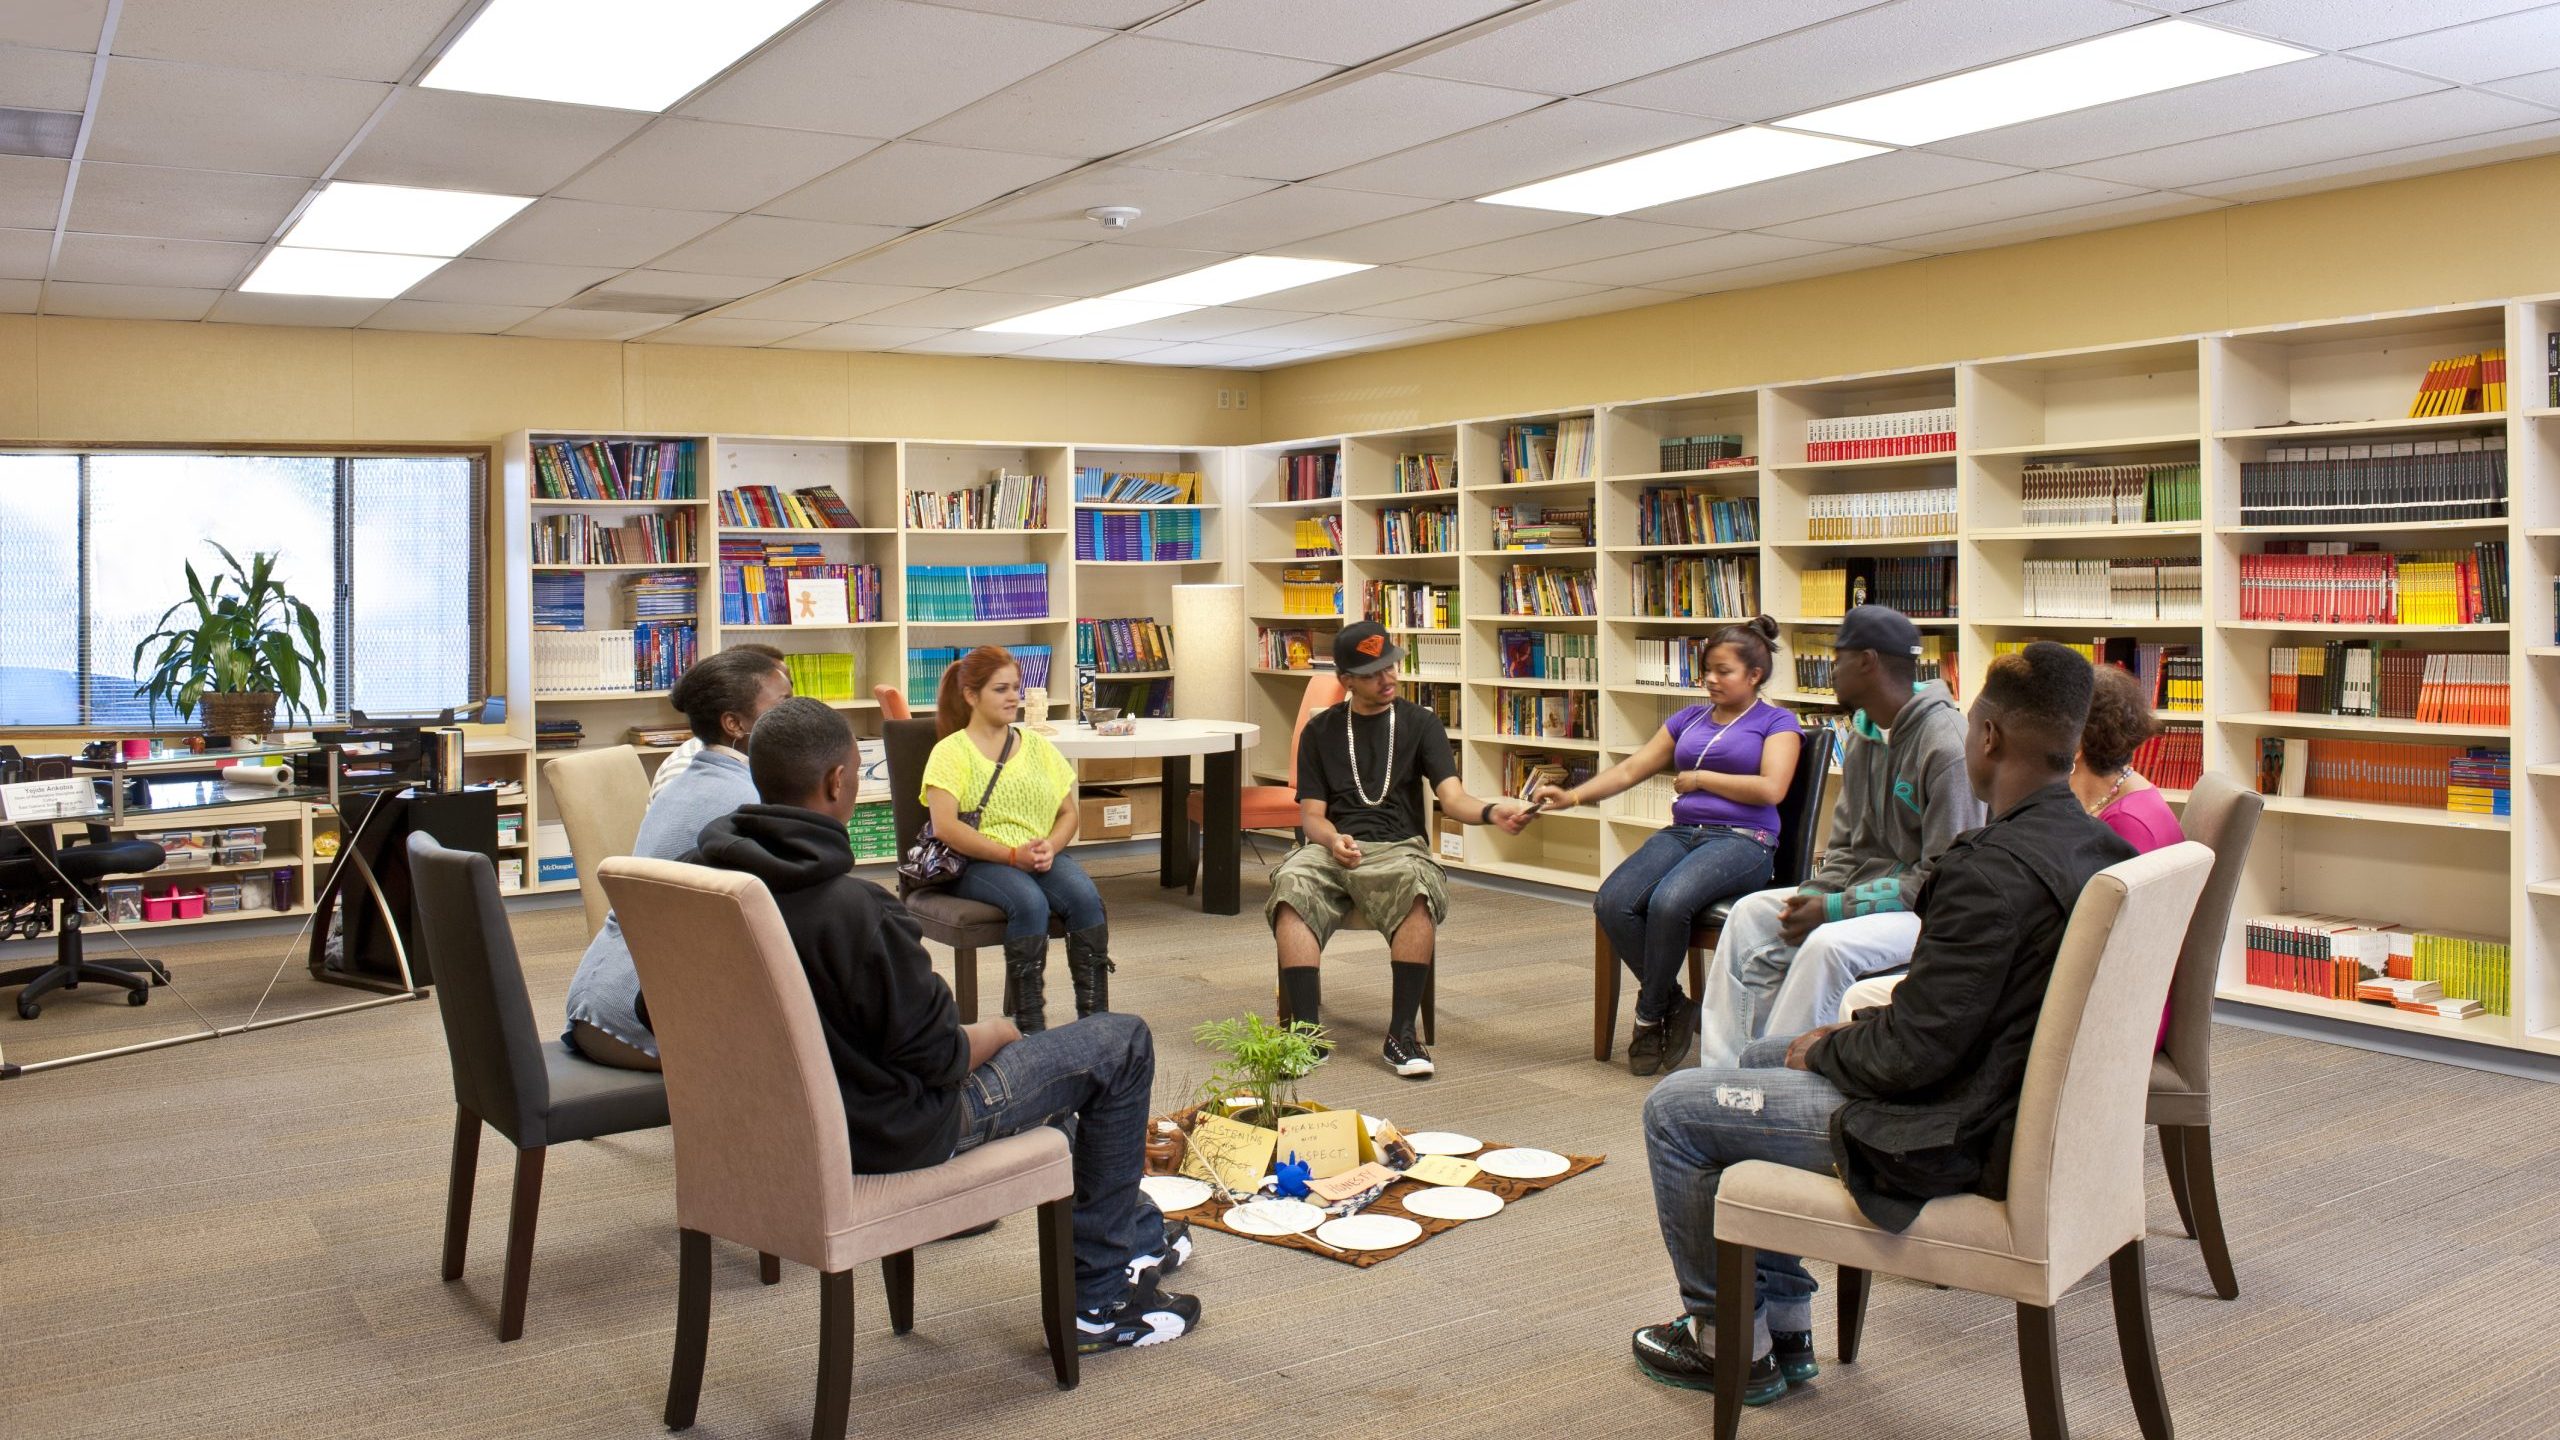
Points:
[(1026, 967), (1089, 967)]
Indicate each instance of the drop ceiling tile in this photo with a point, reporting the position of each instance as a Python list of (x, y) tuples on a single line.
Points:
[(685, 284), (1101, 14), (324, 311), (54, 25), (960, 309), (1329, 329), (582, 232), (726, 330), (2106, 214), (2318, 86), (858, 337), (351, 39), (31, 191), (128, 302), (1551, 140), (1097, 270), (1091, 347), (883, 67), (45, 79), (825, 301), (1835, 261), (1571, 49), (1428, 232), (1360, 120), (1379, 286), (1418, 335), (1875, 180), (910, 183), (1260, 223), (2482, 50), (190, 204), (494, 143), (1580, 306), (25, 253), (1595, 239), (507, 282), (1283, 359), (20, 297), (2377, 166), (1338, 32), (198, 117), (2421, 119), (1665, 267), (2014, 197), (1220, 356), (1126, 91), (439, 317), (971, 342), (704, 165), (2346, 24), (1875, 49), (1504, 293), (591, 325), (771, 245), (1214, 322), (143, 260), (2542, 88), (1056, 211), (942, 258)]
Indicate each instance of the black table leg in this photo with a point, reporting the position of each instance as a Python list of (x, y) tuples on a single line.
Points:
[(1173, 845), (1221, 831)]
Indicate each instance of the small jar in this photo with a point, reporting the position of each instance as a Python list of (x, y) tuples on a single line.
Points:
[(1166, 1145)]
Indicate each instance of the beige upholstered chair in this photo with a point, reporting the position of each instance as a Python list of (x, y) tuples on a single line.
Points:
[(762, 1157), (2224, 817), (601, 795), (2075, 1167)]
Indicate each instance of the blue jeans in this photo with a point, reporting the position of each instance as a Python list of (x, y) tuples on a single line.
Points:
[(1095, 1080), (1028, 900), (1647, 905), (1696, 1123)]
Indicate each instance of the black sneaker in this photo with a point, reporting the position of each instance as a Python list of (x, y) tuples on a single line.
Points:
[(1143, 1316), (1679, 1032), (1644, 1050), (1793, 1350), (1164, 1262), (1406, 1057), (1672, 1354)]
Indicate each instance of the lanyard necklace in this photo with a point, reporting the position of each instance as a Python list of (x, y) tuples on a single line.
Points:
[(1351, 744)]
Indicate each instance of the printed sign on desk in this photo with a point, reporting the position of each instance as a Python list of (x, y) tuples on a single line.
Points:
[(49, 799)]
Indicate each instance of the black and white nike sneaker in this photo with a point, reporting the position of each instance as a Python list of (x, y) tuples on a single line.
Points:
[(1406, 1056), (1172, 1257), (1144, 1315)]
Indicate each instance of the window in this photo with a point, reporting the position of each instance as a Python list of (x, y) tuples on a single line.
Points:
[(386, 550)]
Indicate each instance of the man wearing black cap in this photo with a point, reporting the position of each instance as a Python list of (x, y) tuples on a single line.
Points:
[(1362, 814)]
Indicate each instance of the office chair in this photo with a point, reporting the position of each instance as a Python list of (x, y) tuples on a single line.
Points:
[(35, 879)]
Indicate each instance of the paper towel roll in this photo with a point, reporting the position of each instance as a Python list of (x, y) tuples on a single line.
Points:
[(265, 777)]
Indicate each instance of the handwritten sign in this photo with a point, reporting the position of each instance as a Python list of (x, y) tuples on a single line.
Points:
[(1350, 1182), (1442, 1170), (1328, 1140), (817, 600), (1229, 1153)]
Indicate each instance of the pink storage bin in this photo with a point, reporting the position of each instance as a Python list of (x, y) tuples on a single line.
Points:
[(163, 906), (190, 904)]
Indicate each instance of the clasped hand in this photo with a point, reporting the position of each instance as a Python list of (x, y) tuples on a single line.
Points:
[(1035, 856)]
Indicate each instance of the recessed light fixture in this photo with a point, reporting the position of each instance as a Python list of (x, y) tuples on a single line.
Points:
[(1721, 161), (2141, 61), (1083, 317), (400, 219), (292, 270), (625, 54), (1228, 280)]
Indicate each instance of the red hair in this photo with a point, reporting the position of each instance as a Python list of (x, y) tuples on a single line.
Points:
[(970, 672)]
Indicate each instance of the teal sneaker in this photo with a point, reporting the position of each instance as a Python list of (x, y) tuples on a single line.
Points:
[(1793, 1350), (1673, 1354)]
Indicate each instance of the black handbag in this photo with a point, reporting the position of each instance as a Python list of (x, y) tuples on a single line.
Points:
[(931, 863)]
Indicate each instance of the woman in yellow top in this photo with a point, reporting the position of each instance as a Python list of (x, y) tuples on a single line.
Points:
[(1017, 844)]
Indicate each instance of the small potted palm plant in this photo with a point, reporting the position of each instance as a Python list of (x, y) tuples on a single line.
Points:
[(1262, 1063), (239, 648)]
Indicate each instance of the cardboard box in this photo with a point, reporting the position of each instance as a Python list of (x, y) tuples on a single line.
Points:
[(1453, 839), (1104, 815), (1126, 767)]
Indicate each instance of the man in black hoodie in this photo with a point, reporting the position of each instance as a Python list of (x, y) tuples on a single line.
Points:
[(1918, 1098), (919, 1086)]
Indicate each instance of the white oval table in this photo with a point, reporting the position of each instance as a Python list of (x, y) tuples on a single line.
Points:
[(1222, 743)]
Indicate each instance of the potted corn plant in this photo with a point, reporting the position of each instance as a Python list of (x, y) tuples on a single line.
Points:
[(240, 647), (1263, 1063)]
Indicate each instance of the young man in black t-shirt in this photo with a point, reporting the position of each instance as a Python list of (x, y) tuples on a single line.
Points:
[(1361, 808)]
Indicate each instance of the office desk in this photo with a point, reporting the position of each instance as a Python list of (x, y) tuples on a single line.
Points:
[(1223, 743)]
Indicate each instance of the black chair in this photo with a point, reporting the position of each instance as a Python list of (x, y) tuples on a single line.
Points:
[(1798, 817), (36, 881), (967, 926)]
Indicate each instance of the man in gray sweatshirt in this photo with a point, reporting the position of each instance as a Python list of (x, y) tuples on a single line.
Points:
[(1786, 956)]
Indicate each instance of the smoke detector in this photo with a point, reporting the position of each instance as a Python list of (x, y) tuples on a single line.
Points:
[(1113, 217)]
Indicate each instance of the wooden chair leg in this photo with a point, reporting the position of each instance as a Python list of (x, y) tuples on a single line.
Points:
[(693, 1327), (2133, 1339), (1737, 1295), (768, 1268), (2040, 1372), (457, 1190), (898, 1277), (1698, 965), (522, 1211), (2207, 1206), (835, 1356), (1853, 1312), (2173, 1160), (964, 983), (1604, 995), (1058, 1288)]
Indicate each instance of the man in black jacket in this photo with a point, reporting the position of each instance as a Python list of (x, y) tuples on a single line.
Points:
[(919, 1086), (1916, 1099)]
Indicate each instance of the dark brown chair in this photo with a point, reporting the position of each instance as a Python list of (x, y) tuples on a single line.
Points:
[(967, 926), (1799, 815), (2224, 816)]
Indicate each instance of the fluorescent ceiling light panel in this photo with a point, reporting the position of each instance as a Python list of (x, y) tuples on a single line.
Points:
[(1701, 167), (400, 219), (625, 54), (1083, 317), (2141, 61), (1239, 279), (290, 270)]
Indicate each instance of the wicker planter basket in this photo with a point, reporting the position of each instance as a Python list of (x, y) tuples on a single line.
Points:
[(240, 716)]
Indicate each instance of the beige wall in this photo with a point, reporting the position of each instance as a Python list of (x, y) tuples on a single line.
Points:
[(2482, 234), (76, 380)]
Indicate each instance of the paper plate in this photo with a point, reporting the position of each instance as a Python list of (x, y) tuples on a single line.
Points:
[(1523, 1164), (1274, 1217), (1174, 1192), (1369, 1232), (1452, 1202), (1443, 1142)]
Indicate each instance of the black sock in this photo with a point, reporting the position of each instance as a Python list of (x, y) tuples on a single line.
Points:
[(1411, 981), (1303, 985)]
